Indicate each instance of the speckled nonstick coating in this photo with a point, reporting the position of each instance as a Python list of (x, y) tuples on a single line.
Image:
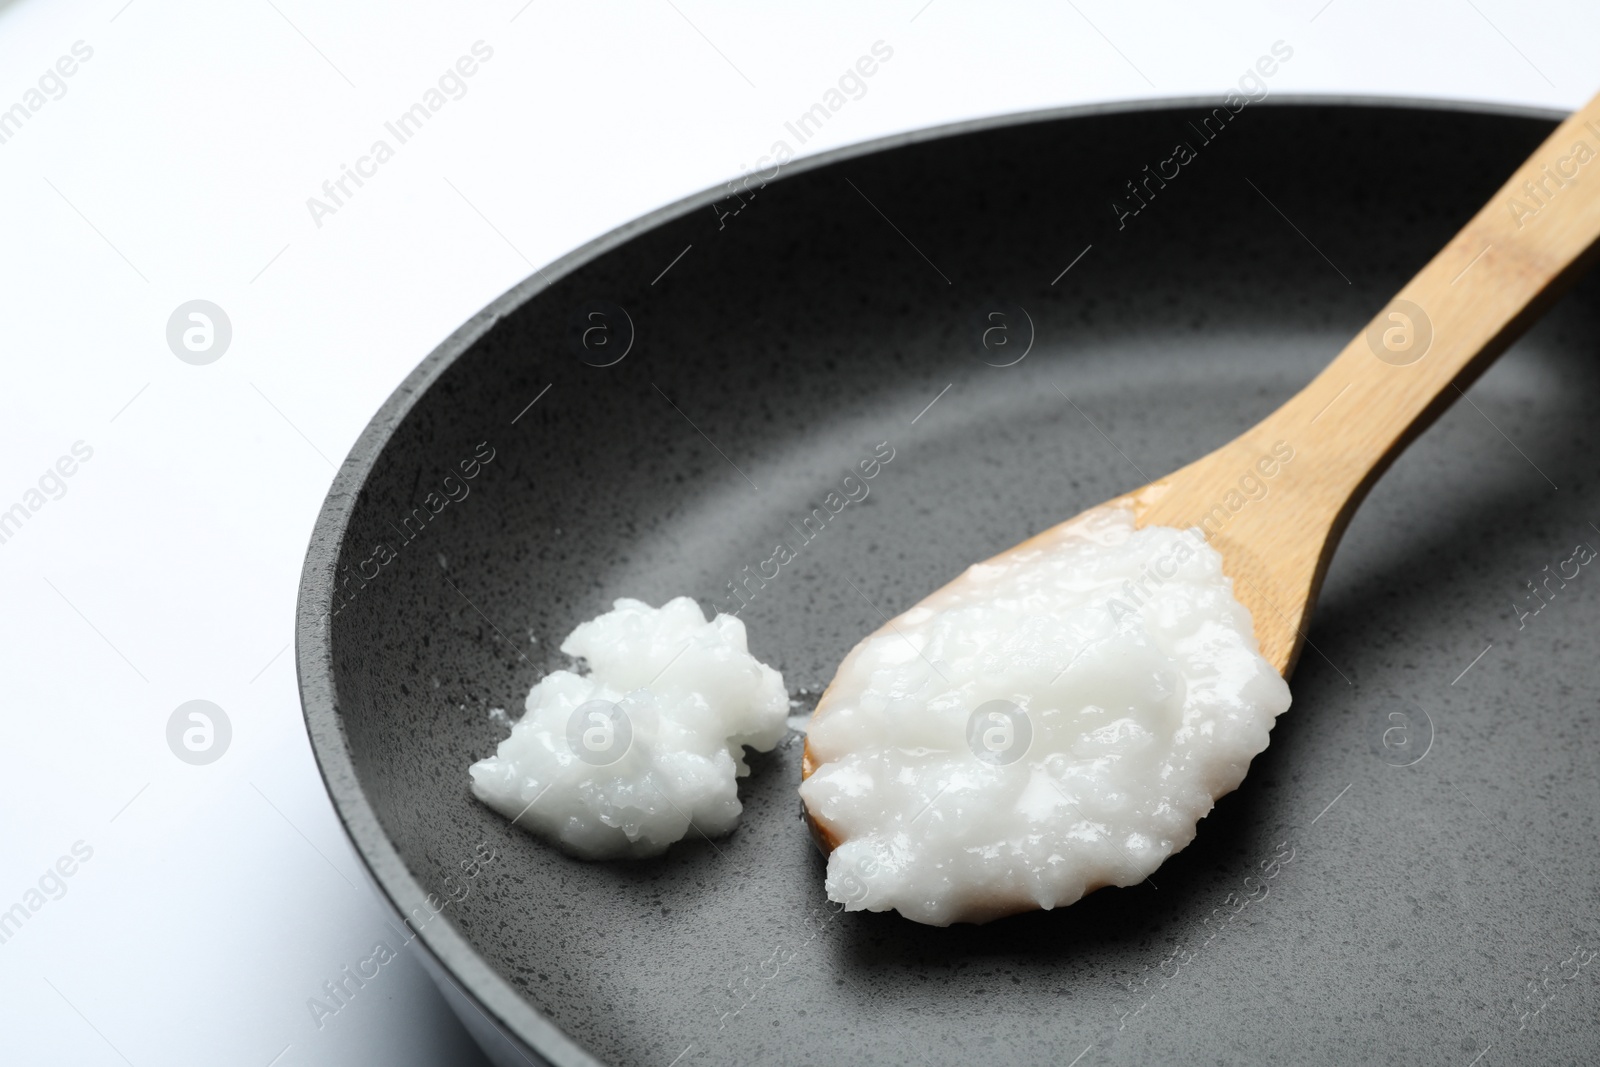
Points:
[(1337, 908)]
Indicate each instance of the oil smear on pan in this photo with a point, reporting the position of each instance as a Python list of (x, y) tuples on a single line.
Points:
[(622, 761), (1057, 719)]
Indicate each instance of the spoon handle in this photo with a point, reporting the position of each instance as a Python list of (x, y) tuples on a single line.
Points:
[(1472, 300), (1521, 251)]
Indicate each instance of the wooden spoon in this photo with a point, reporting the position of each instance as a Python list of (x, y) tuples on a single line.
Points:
[(1472, 300)]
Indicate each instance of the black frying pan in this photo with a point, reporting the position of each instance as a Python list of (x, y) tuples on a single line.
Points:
[(1408, 873)]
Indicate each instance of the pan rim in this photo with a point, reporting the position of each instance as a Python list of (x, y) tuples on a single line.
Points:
[(502, 1006)]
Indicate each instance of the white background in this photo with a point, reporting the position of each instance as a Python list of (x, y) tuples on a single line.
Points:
[(177, 166)]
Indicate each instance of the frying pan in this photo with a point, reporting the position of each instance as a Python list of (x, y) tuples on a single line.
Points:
[(1407, 874)]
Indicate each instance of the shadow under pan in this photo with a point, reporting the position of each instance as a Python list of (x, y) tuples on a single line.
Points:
[(1339, 907)]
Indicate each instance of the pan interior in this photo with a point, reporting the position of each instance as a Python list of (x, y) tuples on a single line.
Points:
[(844, 310)]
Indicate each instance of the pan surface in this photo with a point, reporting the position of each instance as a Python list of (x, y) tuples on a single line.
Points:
[(1407, 874)]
